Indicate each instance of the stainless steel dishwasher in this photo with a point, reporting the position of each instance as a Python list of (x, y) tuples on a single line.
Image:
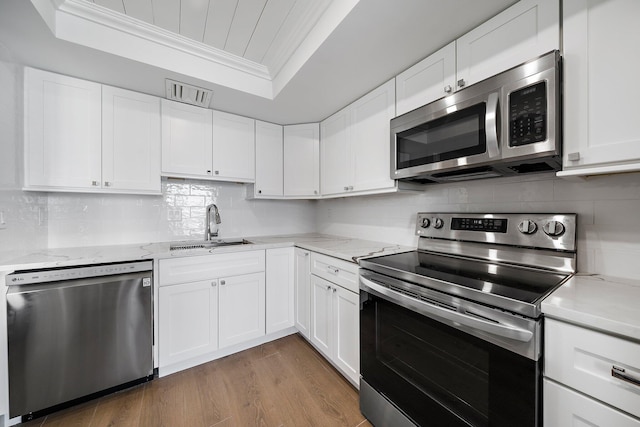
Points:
[(73, 332)]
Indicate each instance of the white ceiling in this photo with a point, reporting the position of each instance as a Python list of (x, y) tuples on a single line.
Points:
[(262, 31), (344, 49)]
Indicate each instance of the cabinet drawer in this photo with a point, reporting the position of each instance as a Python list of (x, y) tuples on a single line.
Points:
[(565, 407), (203, 267), (335, 270), (585, 360)]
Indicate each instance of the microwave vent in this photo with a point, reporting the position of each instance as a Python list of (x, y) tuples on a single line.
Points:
[(182, 92), (532, 167)]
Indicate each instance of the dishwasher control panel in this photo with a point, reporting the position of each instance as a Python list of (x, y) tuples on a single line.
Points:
[(29, 277)]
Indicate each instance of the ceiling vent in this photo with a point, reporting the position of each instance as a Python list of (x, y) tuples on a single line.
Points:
[(188, 94)]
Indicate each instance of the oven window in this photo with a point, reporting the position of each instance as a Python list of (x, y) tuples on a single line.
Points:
[(455, 135), (440, 376)]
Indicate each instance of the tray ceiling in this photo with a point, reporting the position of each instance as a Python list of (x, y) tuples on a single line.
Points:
[(262, 31)]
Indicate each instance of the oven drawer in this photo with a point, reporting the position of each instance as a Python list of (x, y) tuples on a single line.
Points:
[(597, 364), (335, 270), (565, 407)]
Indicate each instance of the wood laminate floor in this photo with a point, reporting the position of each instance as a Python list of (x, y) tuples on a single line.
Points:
[(281, 383)]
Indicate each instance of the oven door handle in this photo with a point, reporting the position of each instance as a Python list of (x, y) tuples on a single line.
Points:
[(450, 317)]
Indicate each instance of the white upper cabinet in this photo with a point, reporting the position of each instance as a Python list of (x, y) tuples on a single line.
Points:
[(62, 130), (269, 160), (336, 170), (601, 109), (355, 156), (186, 140), (130, 141), (522, 32), (233, 147), (82, 136), (302, 160), (428, 80), (370, 133)]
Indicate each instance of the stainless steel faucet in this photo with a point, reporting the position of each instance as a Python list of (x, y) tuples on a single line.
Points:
[(208, 234)]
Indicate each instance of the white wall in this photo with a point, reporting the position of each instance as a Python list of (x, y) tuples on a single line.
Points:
[(608, 213)]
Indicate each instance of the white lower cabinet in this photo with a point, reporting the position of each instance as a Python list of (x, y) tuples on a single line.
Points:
[(565, 407), (206, 304), (279, 289), (302, 291), (591, 378), (241, 308), (335, 325), (189, 321)]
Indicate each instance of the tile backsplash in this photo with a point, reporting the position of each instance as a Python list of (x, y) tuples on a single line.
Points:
[(96, 219), (607, 208)]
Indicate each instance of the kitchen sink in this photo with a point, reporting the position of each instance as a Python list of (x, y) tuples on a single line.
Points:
[(206, 244)]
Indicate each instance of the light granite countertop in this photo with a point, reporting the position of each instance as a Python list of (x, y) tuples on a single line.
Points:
[(604, 303), (336, 246)]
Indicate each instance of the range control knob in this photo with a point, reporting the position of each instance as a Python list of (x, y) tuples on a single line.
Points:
[(553, 228), (425, 223), (437, 222), (527, 227)]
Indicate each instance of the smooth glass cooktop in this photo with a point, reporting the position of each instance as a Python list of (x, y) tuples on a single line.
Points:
[(522, 284)]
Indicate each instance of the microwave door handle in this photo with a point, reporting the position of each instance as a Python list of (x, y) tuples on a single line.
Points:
[(491, 125)]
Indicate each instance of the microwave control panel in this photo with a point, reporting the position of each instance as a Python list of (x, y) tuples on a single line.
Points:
[(528, 115)]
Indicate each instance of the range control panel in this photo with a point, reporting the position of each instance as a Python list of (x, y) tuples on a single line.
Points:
[(550, 231)]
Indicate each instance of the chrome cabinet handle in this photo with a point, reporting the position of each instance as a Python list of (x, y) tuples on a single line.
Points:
[(335, 290), (217, 172), (107, 184), (214, 284), (222, 282), (491, 125), (333, 269), (448, 89), (350, 188), (328, 287), (461, 83), (259, 191), (346, 188), (574, 157), (622, 374), (94, 183)]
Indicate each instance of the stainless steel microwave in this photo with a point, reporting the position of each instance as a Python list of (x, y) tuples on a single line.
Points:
[(508, 124)]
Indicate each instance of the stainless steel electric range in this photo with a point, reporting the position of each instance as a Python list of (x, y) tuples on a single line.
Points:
[(451, 334)]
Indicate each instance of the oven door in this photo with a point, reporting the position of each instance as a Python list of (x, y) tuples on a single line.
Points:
[(435, 370)]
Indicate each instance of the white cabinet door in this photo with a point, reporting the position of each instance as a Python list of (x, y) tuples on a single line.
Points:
[(346, 332), (233, 147), (130, 141), (62, 131), (601, 109), (279, 289), (302, 291), (321, 315), (428, 80), (186, 140), (336, 162), (527, 29), (370, 133), (188, 321), (241, 308), (565, 407), (269, 160), (302, 160)]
